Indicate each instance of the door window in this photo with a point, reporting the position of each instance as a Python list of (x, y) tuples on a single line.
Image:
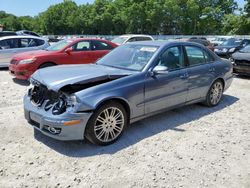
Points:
[(98, 45), (39, 42), (24, 43), (9, 43), (143, 38), (82, 46), (195, 55), (172, 58), (133, 39)]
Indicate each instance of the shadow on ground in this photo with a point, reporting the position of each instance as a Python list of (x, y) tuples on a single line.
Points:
[(136, 132), (21, 82), (243, 77)]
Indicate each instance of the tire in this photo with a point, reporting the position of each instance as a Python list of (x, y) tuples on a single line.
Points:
[(46, 65), (214, 94), (107, 124)]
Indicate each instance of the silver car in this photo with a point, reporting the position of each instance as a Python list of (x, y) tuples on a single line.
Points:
[(134, 81), (14, 44)]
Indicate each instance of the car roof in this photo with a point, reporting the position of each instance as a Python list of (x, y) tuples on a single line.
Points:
[(21, 36), (91, 39), (163, 43), (135, 35)]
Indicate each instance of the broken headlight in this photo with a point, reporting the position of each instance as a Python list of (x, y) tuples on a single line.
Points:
[(71, 100)]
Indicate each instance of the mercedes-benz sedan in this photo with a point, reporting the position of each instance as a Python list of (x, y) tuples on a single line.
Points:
[(134, 81)]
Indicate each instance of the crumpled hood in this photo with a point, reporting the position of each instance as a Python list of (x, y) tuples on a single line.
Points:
[(58, 76), (227, 47), (241, 56)]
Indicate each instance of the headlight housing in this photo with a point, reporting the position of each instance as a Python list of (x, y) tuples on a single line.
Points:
[(231, 49), (224, 50), (71, 100), (27, 61)]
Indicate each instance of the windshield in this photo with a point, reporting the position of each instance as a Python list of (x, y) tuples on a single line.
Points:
[(131, 57), (231, 42), (246, 49), (59, 45), (119, 40)]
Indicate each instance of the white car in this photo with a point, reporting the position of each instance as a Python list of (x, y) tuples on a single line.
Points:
[(11, 45), (218, 40), (131, 38)]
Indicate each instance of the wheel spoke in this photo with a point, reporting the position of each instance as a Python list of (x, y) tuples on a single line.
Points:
[(100, 119), (101, 134), (118, 129), (120, 121), (112, 114), (112, 133), (106, 113), (106, 137), (117, 115), (98, 127)]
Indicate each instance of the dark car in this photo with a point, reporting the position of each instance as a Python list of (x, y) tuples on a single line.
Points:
[(132, 82), (25, 32), (241, 61), (230, 46), (7, 33), (203, 41)]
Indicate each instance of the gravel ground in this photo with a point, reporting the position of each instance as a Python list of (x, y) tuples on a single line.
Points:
[(193, 146)]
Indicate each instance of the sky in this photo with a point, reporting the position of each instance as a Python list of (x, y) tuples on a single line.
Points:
[(31, 7), (34, 7)]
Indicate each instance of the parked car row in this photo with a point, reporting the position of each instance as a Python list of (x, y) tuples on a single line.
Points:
[(21, 32)]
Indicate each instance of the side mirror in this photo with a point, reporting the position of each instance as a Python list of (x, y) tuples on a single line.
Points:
[(69, 50), (159, 69)]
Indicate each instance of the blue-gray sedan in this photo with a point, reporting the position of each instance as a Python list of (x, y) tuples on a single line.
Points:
[(134, 81)]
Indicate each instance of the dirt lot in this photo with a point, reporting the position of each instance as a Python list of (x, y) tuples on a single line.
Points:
[(193, 146)]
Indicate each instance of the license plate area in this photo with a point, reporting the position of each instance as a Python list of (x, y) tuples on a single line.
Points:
[(36, 119)]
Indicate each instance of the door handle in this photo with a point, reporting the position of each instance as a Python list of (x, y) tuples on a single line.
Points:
[(212, 69), (184, 76)]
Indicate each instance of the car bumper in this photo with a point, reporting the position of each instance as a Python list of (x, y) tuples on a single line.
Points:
[(4, 65), (54, 125), (242, 70), (20, 72)]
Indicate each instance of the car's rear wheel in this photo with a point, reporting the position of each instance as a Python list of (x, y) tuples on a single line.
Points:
[(106, 124), (214, 94)]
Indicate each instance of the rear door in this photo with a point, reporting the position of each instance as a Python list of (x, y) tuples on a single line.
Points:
[(27, 44), (8, 47), (200, 71)]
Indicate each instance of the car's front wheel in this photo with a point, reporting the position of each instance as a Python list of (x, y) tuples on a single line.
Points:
[(106, 124), (214, 94)]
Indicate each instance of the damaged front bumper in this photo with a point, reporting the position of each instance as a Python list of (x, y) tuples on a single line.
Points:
[(66, 126)]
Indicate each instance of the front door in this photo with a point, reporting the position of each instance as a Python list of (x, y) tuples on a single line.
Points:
[(81, 54), (168, 89)]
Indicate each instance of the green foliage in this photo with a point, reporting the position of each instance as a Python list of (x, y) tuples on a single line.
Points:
[(136, 16)]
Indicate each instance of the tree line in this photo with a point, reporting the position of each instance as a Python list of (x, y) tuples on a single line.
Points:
[(115, 17)]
